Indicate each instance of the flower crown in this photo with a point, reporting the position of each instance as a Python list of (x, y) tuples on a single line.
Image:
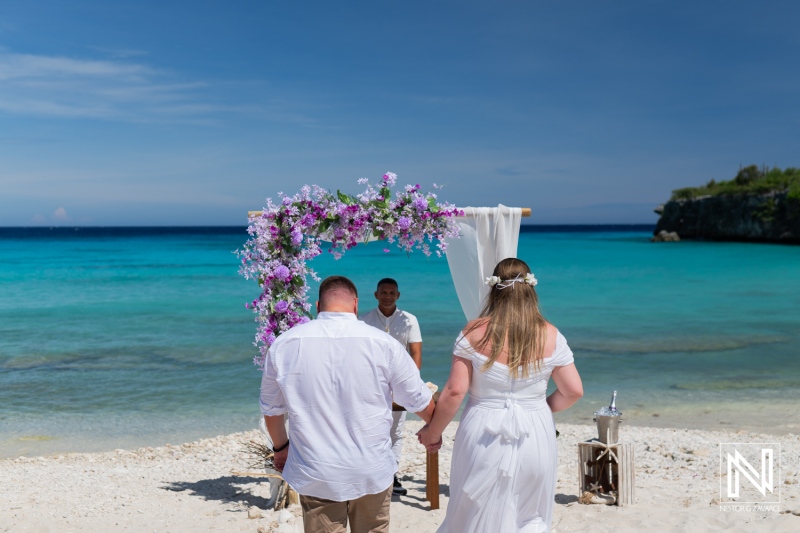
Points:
[(502, 284)]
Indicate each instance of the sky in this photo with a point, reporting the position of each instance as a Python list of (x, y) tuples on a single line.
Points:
[(192, 113)]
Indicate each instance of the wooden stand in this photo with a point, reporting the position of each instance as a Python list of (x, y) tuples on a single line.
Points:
[(431, 468), (607, 469), (432, 480)]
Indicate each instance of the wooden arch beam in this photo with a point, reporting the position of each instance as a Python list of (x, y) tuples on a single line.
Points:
[(526, 212)]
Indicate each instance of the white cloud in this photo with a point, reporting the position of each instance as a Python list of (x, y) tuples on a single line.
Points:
[(119, 89), (120, 53), (28, 66), (60, 215)]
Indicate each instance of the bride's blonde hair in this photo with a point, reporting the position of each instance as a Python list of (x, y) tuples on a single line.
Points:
[(514, 321)]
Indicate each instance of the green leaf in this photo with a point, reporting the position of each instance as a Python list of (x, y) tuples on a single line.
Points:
[(386, 193), (345, 198)]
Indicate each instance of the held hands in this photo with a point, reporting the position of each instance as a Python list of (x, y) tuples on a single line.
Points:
[(431, 441)]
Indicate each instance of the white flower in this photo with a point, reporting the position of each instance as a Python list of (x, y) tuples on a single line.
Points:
[(530, 280), (492, 280)]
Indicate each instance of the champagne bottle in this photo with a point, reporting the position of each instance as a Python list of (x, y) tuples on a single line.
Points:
[(613, 406)]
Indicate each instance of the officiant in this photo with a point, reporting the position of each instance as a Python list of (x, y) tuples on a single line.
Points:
[(404, 327)]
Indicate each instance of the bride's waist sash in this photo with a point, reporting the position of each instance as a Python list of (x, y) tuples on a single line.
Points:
[(511, 424), (501, 402)]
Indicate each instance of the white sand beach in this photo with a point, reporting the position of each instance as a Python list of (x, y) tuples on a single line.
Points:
[(190, 487)]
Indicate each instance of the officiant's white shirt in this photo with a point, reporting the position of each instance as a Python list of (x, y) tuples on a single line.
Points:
[(336, 377), (402, 325)]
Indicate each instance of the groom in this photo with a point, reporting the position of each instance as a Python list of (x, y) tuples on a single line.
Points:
[(336, 377)]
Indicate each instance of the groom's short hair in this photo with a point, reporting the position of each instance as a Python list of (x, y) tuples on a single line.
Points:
[(334, 284)]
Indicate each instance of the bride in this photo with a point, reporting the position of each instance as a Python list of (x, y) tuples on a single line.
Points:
[(503, 474)]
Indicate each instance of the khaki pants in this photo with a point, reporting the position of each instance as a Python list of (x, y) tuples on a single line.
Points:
[(367, 514)]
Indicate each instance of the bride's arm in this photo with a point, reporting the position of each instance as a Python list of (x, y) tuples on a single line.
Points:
[(570, 388), (449, 401)]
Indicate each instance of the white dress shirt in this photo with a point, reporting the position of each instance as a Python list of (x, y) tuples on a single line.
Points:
[(336, 377), (402, 325)]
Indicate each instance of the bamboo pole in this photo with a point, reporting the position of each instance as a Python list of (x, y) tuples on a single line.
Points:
[(432, 479)]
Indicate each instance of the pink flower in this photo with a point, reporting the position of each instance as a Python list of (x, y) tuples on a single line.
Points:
[(390, 178)]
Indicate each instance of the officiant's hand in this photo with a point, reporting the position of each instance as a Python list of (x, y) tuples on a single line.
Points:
[(428, 439)]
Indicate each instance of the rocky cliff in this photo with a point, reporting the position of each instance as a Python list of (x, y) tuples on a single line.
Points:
[(768, 217)]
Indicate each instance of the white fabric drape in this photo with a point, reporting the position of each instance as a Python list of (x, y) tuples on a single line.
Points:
[(488, 235)]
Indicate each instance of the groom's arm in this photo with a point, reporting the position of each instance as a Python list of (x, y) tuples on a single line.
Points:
[(276, 427), (427, 414), (273, 407), (407, 386)]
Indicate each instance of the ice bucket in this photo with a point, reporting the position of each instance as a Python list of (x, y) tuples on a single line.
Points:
[(608, 428)]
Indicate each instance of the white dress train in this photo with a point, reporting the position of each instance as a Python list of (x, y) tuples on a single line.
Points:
[(505, 458)]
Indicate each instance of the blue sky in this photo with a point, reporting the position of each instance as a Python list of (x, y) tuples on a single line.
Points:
[(191, 113)]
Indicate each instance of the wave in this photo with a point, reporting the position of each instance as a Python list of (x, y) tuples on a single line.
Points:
[(674, 345)]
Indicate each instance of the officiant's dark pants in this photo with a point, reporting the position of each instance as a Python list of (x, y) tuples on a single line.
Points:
[(367, 514)]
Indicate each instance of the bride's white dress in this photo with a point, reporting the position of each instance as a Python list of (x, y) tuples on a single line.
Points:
[(505, 458)]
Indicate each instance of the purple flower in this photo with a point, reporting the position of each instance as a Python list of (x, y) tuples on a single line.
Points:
[(297, 237), (283, 273), (286, 236)]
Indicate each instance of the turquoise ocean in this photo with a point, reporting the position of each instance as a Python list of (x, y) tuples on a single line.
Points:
[(124, 337)]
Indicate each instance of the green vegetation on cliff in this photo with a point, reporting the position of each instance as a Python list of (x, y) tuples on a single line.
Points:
[(749, 180)]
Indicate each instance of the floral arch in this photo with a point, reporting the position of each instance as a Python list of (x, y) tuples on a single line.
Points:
[(286, 235)]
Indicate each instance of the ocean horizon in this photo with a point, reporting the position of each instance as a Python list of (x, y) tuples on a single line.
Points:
[(119, 337)]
